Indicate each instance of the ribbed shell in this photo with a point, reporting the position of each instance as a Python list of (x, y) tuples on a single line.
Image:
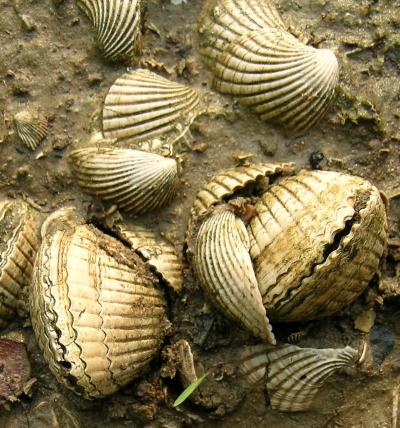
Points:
[(295, 375), (142, 105), (19, 243), (285, 81), (252, 363), (158, 252), (31, 127), (135, 181), (223, 267), (224, 20), (117, 26), (316, 242), (96, 310)]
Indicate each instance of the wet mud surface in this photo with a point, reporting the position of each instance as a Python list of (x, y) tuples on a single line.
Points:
[(48, 59)]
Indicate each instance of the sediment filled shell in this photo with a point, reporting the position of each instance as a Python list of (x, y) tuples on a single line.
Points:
[(316, 242), (135, 181), (224, 269), (31, 127), (19, 243), (158, 252), (117, 26), (295, 375), (142, 105), (96, 310)]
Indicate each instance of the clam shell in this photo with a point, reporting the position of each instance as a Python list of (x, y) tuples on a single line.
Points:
[(19, 243), (283, 80), (142, 105), (316, 242), (96, 310), (223, 21), (252, 363), (31, 127), (223, 267), (158, 252), (117, 26), (135, 181), (295, 375)]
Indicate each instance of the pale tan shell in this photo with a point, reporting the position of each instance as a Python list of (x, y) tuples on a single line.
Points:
[(224, 269), (96, 310), (295, 375), (117, 26), (158, 252), (316, 242), (31, 127), (135, 181), (142, 105), (19, 243), (223, 21), (252, 363)]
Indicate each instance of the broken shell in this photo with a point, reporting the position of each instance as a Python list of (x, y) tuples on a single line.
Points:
[(158, 252), (117, 26), (295, 375), (97, 313), (135, 181), (223, 266), (31, 127), (316, 242), (19, 243), (142, 105)]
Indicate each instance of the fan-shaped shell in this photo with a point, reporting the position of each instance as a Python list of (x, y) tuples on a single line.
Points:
[(96, 310), (135, 181), (142, 105), (252, 363), (316, 242), (158, 252), (295, 375), (223, 266), (117, 26), (31, 127), (19, 242)]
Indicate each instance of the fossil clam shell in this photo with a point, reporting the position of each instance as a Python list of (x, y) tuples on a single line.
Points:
[(295, 375), (96, 310), (252, 363), (316, 242), (19, 243), (31, 127), (142, 105), (135, 181), (224, 269), (117, 26)]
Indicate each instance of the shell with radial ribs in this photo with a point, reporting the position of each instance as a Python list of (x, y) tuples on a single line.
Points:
[(337, 228), (19, 243), (31, 127), (135, 181), (267, 68), (117, 26), (96, 309), (142, 105)]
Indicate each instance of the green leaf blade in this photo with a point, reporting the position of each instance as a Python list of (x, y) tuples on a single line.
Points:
[(190, 389)]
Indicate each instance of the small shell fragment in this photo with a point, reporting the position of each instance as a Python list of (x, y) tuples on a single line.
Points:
[(117, 26), (135, 181), (295, 375), (96, 310), (19, 243), (223, 266), (142, 105), (31, 127)]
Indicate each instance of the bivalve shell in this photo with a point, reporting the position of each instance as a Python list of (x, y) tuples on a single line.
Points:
[(135, 181), (96, 310), (142, 105), (316, 242), (19, 243), (117, 26), (31, 127), (252, 363)]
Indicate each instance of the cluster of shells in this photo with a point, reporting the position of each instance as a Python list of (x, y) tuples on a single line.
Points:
[(297, 247)]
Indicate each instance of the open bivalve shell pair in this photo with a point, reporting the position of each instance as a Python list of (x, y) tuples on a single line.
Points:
[(305, 249)]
